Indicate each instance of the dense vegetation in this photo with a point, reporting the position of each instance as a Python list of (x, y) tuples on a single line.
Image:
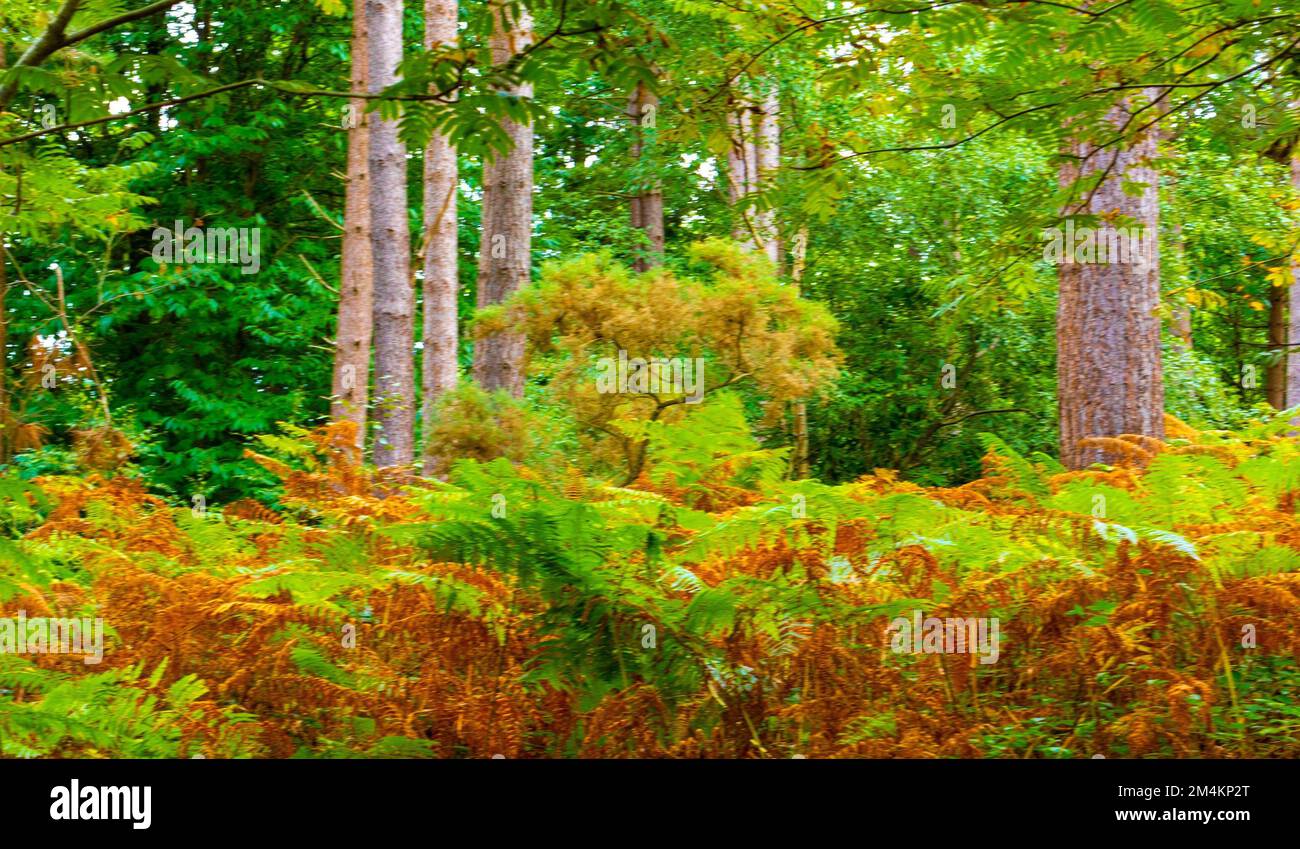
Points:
[(718, 610), (479, 548)]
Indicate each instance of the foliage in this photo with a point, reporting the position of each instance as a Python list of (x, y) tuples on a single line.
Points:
[(589, 321), (593, 573), (511, 612), (470, 423)]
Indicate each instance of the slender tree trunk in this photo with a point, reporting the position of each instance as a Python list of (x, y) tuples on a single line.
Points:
[(6, 440), (1293, 324), (742, 167), (647, 204), (1275, 379), (441, 277), (752, 162), (1182, 316), (351, 384), (390, 241), (505, 256), (801, 452), (768, 160), (1183, 326), (1108, 336), (5, 416)]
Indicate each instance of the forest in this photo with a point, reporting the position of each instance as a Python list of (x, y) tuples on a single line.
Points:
[(650, 379)]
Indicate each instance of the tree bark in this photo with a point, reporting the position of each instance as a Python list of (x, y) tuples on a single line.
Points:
[(390, 241), (1108, 335), (801, 450), (441, 277), (742, 166), (1293, 324), (752, 162), (647, 204), (505, 256), (1275, 380), (351, 383), (768, 159), (1182, 314), (6, 440)]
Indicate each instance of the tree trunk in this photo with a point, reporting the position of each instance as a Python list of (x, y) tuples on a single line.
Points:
[(768, 158), (6, 440), (1182, 314), (390, 242), (1276, 378), (351, 383), (5, 416), (742, 167), (505, 256), (441, 277), (1293, 326), (752, 162), (801, 452), (1183, 325), (647, 204), (1108, 336)]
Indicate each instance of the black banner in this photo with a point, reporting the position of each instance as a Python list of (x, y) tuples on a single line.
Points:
[(141, 800)]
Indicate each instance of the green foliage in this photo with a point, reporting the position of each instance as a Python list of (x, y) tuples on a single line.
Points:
[(112, 712)]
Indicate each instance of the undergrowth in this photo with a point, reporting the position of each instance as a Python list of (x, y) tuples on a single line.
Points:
[(711, 609)]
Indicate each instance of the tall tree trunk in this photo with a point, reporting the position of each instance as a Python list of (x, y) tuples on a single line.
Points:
[(752, 162), (390, 241), (6, 417), (647, 204), (1182, 315), (441, 277), (350, 389), (768, 160), (1275, 379), (505, 256), (1293, 325), (742, 166), (6, 438), (801, 452), (1108, 336)]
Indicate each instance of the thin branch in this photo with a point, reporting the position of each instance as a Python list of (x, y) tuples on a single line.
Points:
[(146, 108)]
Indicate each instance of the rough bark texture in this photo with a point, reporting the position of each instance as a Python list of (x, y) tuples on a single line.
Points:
[(647, 203), (390, 243), (505, 257), (1108, 335), (351, 383), (1293, 325), (441, 281)]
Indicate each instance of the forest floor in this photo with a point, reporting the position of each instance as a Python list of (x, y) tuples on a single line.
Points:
[(1147, 610)]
